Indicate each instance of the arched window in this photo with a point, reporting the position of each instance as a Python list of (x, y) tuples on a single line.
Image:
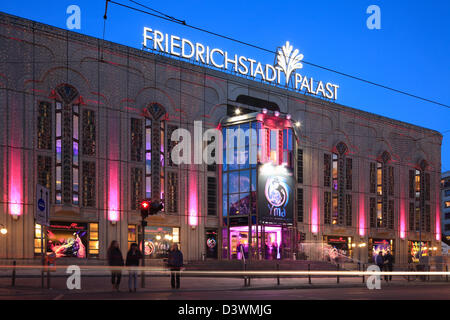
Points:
[(338, 201), (154, 151)]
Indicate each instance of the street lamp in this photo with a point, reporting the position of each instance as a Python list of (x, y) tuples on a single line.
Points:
[(3, 230)]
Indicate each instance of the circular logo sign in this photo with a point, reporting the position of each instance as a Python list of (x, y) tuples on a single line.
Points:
[(41, 204), (276, 191)]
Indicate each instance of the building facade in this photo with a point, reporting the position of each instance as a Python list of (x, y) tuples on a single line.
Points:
[(445, 195), (92, 122)]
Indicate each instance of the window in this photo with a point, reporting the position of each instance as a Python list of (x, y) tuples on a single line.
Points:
[(44, 125), (447, 216), (44, 171), (172, 192), (300, 205), (132, 235), (58, 167), (67, 140), (379, 179), (299, 166), (380, 223), (417, 183), (136, 140), (93, 239), (212, 196), (412, 217), (89, 134), (391, 180), (335, 209), (37, 238), (338, 173), (348, 209), (327, 207), (373, 177), (372, 212), (171, 144), (75, 158), (136, 188), (447, 204), (447, 227), (148, 158), (326, 170), (89, 185), (447, 193), (411, 183), (348, 174), (335, 172)]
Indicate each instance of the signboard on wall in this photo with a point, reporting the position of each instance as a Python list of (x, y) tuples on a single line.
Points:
[(42, 210), (275, 196)]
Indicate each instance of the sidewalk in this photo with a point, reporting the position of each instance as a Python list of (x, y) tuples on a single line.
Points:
[(100, 283)]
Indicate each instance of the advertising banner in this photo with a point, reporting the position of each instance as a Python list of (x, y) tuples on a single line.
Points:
[(275, 196)]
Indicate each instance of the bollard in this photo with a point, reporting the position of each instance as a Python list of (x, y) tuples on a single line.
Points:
[(278, 275), (14, 274), (43, 274), (363, 277), (48, 278), (245, 277), (409, 269), (446, 269), (309, 274), (338, 274)]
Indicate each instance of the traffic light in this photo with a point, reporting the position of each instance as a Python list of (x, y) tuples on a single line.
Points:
[(145, 209), (150, 208), (156, 207)]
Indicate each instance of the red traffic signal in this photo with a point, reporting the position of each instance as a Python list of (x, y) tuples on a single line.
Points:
[(149, 208), (145, 206)]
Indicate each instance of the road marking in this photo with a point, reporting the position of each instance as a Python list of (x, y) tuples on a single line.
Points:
[(59, 297)]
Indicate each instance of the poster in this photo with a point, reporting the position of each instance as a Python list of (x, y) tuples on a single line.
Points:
[(67, 239), (275, 197)]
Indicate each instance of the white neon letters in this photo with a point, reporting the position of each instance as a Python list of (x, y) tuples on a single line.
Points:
[(288, 61)]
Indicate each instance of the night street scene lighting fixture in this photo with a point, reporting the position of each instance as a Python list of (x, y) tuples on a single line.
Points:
[(3, 229)]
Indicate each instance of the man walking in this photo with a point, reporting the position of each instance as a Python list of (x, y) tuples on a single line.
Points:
[(175, 262), (388, 265)]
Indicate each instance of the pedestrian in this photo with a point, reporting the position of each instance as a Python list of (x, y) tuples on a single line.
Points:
[(388, 265), (379, 260), (115, 260), (175, 262), (274, 251), (133, 257)]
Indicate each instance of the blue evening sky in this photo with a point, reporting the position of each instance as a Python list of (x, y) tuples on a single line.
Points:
[(411, 51)]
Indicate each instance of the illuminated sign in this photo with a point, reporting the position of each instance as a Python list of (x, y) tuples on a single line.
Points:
[(275, 196), (288, 61)]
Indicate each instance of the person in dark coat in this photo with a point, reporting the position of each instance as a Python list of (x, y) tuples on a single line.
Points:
[(388, 265), (133, 257), (175, 262), (274, 251), (115, 259), (379, 260)]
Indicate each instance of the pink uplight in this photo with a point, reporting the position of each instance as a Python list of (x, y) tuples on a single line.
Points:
[(113, 192), (362, 217), (402, 220), (15, 183), (438, 223), (193, 199), (314, 212)]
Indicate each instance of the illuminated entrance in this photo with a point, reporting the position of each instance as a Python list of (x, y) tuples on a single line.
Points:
[(257, 187)]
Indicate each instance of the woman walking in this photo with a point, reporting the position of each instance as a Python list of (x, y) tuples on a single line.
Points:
[(133, 257), (115, 259)]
